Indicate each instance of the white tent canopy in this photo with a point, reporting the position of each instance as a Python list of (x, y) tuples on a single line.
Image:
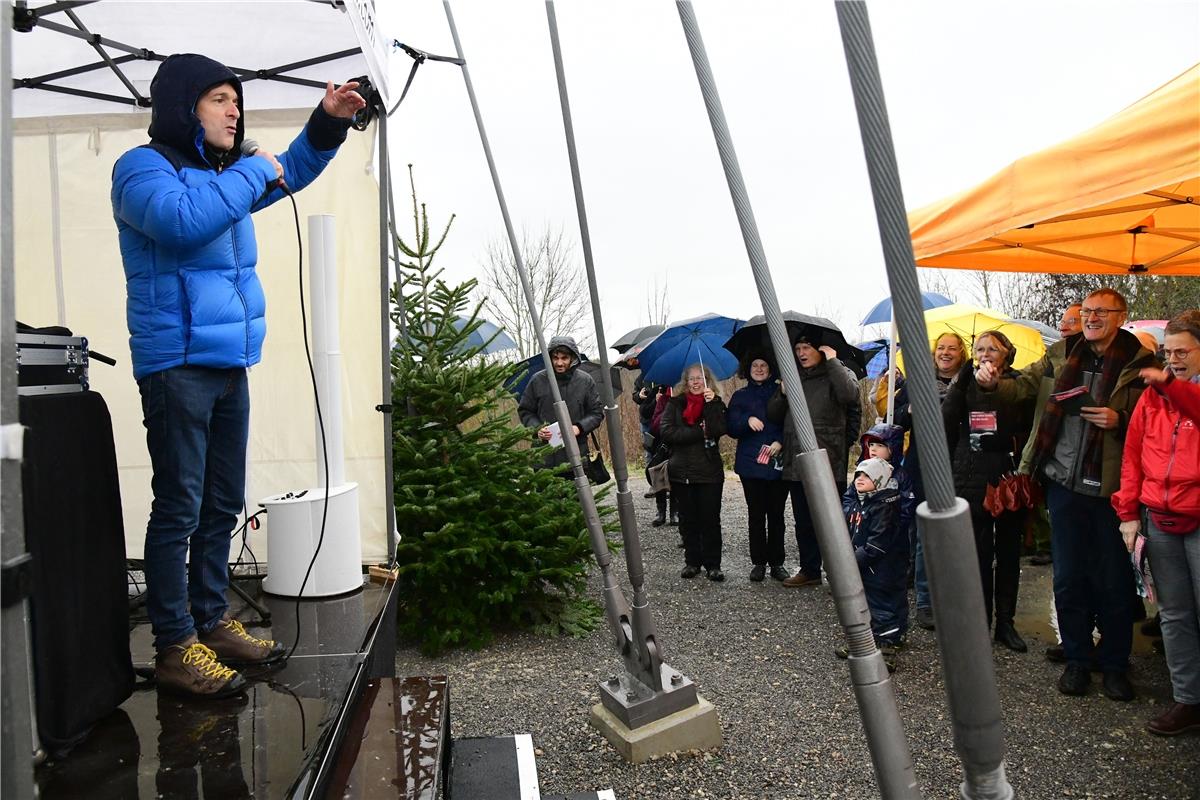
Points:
[(67, 265)]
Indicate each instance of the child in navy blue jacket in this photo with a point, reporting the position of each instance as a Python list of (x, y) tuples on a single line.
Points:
[(887, 442), (872, 505)]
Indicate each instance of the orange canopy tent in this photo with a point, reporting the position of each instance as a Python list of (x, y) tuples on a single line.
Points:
[(1120, 198)]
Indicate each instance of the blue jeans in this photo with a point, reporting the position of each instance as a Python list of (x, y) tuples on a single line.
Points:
[(1093, 579), (920, 576), (197, 422), (1175, 562)]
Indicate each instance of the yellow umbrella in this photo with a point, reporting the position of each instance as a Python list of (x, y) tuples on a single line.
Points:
[(968, 321), (1121, 198)]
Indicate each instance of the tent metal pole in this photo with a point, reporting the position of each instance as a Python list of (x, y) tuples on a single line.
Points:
[(616, 606), (643, 654), (891, 403), (17, 743), (944, 519), (385, 335), (872, 686)]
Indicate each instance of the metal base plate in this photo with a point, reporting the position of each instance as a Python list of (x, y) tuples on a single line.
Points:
[(636, 704)]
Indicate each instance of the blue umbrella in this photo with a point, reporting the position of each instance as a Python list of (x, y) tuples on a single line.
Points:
[(489, 337), (882, 311), (876, 351), (692, 341)]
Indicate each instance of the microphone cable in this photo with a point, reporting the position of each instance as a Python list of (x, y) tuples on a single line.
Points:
[(312, 374)]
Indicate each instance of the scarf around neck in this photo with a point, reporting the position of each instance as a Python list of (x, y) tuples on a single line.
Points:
[(1123, 349), (693, 409)]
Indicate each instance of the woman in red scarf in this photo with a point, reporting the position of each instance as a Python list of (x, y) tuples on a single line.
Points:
[(691, 424)]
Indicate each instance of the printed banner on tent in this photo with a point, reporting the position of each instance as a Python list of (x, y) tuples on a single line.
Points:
[(376, 46)]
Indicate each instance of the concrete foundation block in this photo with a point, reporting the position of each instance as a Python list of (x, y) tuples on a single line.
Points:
[(693, 728)]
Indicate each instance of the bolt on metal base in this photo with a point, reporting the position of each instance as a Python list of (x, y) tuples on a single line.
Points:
[(636, 704)]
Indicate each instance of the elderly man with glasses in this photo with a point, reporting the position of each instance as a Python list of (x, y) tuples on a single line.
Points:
[(1087, 391)]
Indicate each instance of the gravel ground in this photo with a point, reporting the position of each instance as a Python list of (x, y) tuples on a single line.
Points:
[(762, 654)]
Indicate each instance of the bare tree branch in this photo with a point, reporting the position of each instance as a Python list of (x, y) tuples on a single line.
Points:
[(559, 290), (658, 304)]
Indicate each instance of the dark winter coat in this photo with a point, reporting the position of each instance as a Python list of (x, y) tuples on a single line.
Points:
[(183, 223), (981, 460), (751, 401), (645, 405), (880, 544), (893, 437), (695, 457), (579, 392), (829, 387)]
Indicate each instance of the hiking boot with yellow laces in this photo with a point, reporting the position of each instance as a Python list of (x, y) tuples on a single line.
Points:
[(192, 669), (234, 645)]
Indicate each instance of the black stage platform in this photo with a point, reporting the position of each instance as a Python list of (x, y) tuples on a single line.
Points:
[(283, 739)]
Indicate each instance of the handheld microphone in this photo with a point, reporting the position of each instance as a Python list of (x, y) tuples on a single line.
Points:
[(249, 148)]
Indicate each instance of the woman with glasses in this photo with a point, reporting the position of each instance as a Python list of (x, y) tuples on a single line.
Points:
[(1159, 499), (986, 434), (949, 353), (692, 423)]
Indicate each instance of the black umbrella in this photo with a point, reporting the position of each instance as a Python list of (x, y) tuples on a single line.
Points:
[(820, 331), (640, 335)]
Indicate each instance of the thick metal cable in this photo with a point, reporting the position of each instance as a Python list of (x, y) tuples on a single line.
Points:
[(872, 687), (646, 662), (616, 606), (907, 309), (945, 520)]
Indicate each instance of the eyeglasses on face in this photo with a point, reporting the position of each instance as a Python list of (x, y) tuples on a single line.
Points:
[(1179, 354), (1099, 313)]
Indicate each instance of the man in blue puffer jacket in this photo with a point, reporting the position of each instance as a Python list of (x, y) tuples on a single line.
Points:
[(196, 316)]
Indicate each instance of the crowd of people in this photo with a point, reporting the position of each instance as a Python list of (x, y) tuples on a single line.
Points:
[(1103, 423)]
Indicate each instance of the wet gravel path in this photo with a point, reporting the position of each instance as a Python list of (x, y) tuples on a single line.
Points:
[(762, 654)]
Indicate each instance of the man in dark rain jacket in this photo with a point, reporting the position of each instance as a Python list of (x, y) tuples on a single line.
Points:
[(196, 316), (829, 388), (577, 389)]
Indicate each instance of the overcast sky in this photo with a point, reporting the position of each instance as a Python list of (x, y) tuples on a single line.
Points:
[(969, 88)]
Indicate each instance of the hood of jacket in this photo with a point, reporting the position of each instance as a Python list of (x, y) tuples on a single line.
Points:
[(890, 435), (565, 343), (180, 82)]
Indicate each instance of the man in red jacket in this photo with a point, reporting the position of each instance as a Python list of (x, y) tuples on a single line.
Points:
[(1160, 499)]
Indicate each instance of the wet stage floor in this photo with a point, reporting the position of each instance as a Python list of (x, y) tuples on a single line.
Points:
[(254, 745)]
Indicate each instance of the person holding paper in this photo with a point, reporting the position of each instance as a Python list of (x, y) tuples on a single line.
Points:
[(1078, 458), (985, 435), (1159, 499), (576, 388), (758, 464)]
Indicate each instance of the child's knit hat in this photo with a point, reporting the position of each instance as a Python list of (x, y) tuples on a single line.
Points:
[(878, 470)]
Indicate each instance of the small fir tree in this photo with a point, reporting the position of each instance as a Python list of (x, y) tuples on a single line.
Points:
[(487, 541)]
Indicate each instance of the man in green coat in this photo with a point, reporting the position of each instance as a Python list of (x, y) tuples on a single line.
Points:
[(1087, 386)]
